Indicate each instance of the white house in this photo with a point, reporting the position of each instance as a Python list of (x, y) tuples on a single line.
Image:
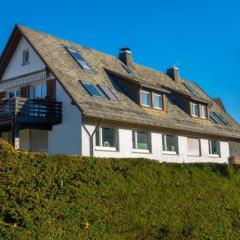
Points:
[(60, 97)]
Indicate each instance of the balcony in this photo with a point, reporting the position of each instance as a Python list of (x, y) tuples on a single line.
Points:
[(29, 113)]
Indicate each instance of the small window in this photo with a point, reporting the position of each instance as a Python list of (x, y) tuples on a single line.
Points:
[(108, 92), (194, 109), (203, 111), (140, 140), (14, 93), (157, 101), (170, 143), (221, 118), (214, 148), (193, 146), (106, 137), (25, 57), (191, 89), (78, 58), (145, 98), (92, 90)]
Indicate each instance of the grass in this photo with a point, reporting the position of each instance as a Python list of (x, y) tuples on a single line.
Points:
[(67, 197)]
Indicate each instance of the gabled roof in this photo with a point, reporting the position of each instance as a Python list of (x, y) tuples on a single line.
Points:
[(53, 53)]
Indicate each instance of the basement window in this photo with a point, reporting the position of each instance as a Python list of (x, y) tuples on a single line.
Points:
[(78, 58), (106, 137), (170, 144), (214, 148)]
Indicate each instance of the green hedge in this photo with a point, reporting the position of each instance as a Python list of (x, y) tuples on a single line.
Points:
[(66, 197)]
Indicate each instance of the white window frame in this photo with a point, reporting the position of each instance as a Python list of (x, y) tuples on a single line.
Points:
[(210, 149), (139, 150), (157, 94), (24, 60), (164, 151), (32, 89), (13, 91), (192, 113), (203, 113), (148, 92), (101, 147), (199, 147)]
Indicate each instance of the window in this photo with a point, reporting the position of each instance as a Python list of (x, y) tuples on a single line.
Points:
[(106, 137), (140, 140), (191, 89), (221, 118), (78, 58), (25, 57), (194, 109), (214, 148), (13, 94), (214, 117), (157, 101), (145, 98), (203, 111), (193, 146), (170, 143), (92, 90), (108, 92), (39, 90)]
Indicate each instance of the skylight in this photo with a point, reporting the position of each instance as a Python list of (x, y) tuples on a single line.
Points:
[(78, 58), (92, 90), (191, 89), (108, 92), (221, 118), (214, 117)]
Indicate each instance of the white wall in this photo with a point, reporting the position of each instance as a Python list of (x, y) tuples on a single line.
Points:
[(65, 138), (15, 67), (125, 148)]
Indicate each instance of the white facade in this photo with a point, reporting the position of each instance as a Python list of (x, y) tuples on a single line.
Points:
[(125, 148)]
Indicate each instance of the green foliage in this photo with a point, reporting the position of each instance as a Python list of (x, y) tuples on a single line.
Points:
[(67, 197)]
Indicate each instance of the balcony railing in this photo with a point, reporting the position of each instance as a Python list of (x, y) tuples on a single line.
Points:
[(32, 111)]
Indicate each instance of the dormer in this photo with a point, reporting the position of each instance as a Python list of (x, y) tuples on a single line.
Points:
[(198, 110)]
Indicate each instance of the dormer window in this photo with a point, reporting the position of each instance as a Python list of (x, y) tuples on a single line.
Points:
[(198, 110), (145, 98), (151, 99), (25, 57)]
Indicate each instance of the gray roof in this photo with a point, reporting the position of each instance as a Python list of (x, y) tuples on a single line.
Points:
[(52, 51)]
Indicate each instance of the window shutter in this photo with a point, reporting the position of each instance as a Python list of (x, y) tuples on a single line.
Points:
[(24, 91), (2, 95), (51, 88)]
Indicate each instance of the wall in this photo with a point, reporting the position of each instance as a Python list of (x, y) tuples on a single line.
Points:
[(15, 67), (234, 148), (65, 138), (125, 148)]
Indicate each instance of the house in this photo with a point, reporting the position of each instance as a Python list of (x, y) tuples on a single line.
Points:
[(62, 98)]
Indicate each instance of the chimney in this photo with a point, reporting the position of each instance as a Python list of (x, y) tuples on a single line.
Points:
[(173, 73), (125, 55)]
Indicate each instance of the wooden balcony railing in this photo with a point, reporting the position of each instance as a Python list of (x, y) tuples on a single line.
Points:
[(25, 110)]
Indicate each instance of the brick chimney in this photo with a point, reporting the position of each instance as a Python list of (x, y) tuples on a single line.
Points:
[(173, 73), (125, 55)]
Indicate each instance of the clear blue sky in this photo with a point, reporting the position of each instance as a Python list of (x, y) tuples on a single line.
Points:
[(200, 37)]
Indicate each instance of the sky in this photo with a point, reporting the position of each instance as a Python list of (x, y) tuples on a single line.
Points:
[(202, 38)]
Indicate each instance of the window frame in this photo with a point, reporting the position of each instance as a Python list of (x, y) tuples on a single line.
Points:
[(201, 106), (157, 94), (164, 151), (150, 101), (15, 90), (33, 87), (151, 98), (102, 95), (197, 106), (104, 148), (199, 146), (199, 109), (218, 155), (24, 52), (135, 142)]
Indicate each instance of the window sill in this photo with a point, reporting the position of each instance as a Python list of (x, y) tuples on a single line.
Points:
[(214, 155), (140, 151), (169, 153), (108, 149), (194, 155)]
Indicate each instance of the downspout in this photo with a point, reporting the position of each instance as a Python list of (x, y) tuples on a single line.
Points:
[(92, 135)]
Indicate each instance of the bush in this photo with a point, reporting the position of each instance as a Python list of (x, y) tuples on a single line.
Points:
[(67, 197)]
